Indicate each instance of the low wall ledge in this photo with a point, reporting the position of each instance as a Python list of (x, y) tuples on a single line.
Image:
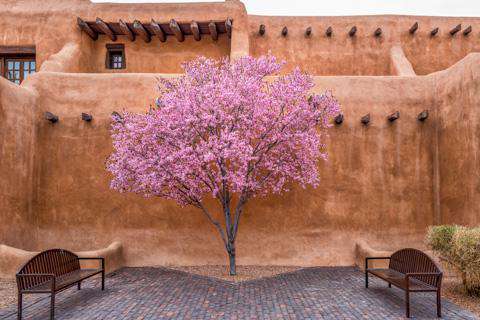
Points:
[(11, 259)]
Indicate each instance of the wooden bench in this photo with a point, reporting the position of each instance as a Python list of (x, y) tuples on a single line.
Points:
[(412, 271), (53, 271)]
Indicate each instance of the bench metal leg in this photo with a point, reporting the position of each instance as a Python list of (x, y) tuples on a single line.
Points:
[(439, 304), (103, 280), (19, 312), (366, 273), (407, 303), (52, 307), (79, 285)]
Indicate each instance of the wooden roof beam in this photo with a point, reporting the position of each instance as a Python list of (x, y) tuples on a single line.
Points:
[(329, 31), (413, 28), (86, 28), (141, 31), (467, 30), (308, 31), (213, 30), (175, 27), (126, 30), (105, 29), (261, 29), (457, 28), (195, 30), (158, 31), (352, 31)]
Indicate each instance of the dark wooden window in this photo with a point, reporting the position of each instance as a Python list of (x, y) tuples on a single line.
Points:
[(17, 62), (115, 58)]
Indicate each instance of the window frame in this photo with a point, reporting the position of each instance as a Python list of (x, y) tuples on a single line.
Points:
[(115, 48), (21, 70), (16, 53)]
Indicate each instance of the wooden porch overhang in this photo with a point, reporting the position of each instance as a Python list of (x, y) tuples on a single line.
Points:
[(161, 30)]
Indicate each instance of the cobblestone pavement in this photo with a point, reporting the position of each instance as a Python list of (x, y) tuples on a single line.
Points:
[(160, 293)]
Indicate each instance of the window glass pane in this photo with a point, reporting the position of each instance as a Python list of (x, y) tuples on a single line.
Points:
[(17, 74), (25, 74), (10, 65), (26, 65), (9, 75), (17, 65), (17, 81), (32, 65)]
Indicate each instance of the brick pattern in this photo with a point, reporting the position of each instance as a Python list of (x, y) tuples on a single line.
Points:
[(161, 293)]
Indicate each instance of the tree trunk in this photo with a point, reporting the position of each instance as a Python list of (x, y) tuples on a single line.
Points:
[(231, 256)]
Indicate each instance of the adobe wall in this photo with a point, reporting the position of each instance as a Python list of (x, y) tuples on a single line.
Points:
[(383, 185), (376, 186), (458, 104), (17, 139), (363, 54), (51, 24)]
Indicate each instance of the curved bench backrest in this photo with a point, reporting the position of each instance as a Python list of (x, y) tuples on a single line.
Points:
[(53, 261), (413, 260)]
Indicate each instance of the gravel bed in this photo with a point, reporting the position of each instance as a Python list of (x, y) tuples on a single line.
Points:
[(244, 273)]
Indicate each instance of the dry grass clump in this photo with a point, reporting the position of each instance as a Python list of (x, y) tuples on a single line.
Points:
[(460, 248)]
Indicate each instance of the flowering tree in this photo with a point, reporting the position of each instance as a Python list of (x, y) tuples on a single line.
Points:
[(224, 130)]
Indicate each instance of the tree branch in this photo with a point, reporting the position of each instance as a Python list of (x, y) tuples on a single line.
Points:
[(213, 221)]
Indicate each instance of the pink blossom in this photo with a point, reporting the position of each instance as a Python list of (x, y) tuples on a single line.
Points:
[(224, 128)]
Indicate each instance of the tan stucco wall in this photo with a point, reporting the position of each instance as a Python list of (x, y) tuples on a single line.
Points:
[(383, 184), (17, 139), (363, 54), (458, 105)]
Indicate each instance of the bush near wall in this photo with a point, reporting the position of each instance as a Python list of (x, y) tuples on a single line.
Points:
[(459, 247)]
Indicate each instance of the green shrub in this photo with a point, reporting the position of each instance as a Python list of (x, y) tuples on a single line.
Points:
[(459, 247)]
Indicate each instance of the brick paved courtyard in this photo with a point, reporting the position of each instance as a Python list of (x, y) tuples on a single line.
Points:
[(160, 293)]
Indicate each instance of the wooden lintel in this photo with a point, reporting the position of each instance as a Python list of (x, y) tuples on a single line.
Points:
[(467, 30), (284, 31), (329, 32), (158, 31), (17, 50), (126, 30), (228, 27), (86, 28), (175, 27), (413, 28), (195, 30), (261, 29), (141, 31), (434, 32), (105, 29), (308, 31), (213, 30), (457, 28), (378, 32), (352, 31)]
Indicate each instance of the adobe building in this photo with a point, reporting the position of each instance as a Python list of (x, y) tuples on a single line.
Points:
[(386, 180)]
